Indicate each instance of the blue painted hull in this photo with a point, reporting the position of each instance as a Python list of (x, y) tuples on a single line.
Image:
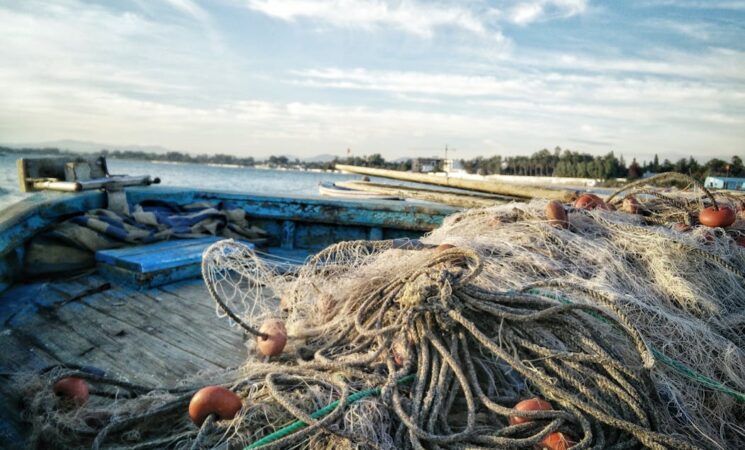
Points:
[(309, 223)]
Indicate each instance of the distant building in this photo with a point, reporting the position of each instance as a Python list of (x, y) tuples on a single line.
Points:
[(453, 166), (426, 165), (733, 184)]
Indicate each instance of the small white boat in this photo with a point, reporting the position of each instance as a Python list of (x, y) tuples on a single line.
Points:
[(332, 190)]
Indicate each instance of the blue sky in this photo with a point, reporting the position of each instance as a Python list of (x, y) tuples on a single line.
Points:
[(401, 78)]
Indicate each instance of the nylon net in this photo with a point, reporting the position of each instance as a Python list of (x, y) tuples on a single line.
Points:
[(628, 323)]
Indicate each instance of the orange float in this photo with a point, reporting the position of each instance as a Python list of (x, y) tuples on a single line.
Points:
[(214, 400), (722, 217), (533, 404), (556, 214), (590, 201), (556, 441), (275, 340), (72, 389)]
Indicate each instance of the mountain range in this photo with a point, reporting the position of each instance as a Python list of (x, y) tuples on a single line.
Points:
[(92, 147)]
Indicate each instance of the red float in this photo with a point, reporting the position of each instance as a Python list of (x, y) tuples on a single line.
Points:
[(723, 217), (533, 404), (72, 389), (214, 400), (276, 339)]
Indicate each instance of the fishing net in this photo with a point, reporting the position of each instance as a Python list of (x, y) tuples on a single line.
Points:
[(629, 325)]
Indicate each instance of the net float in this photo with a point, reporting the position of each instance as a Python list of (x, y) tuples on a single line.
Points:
[(681, 227), (630, 205), (533, 404), (401, 351), (590, 201), (275, 340), (711, 217), (556, 214), (556, 441), (217, 400), (72, 389), (442, 247)]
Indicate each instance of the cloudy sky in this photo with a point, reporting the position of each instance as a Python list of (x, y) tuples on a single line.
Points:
[(402, 78)]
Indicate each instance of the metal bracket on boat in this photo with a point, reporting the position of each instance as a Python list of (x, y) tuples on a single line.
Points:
[(117, 199), (73, 175)]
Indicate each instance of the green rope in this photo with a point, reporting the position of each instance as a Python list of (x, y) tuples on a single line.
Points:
[(298, 424), (674, 364)]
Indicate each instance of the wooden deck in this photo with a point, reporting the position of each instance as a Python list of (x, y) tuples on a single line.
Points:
[(154, 336)]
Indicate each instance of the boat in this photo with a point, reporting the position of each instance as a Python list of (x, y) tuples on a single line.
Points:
[(330, 189), (142, 312), (452, 197)]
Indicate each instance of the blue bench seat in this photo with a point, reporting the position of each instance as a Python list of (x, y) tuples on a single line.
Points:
[(152, 265)]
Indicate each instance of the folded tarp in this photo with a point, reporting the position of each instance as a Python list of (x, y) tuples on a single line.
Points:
[(71, 245)]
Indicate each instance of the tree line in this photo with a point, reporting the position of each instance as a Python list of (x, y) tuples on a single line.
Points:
[(558, 163), (566, 163)]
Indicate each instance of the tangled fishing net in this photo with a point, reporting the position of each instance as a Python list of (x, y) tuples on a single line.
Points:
[(628, 324)]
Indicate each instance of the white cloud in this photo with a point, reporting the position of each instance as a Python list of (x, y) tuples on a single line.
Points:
[(190, 8), (413, 82), (537, 85), (410, 16), (70, 45), (698, 31), (126, 75), (735, 5), (593, 108), (715, 64), (526, 12)]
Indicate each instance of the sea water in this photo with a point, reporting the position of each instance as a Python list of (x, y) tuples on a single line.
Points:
[(196, 176)]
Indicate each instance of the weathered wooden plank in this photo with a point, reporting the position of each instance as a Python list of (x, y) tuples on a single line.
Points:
[(76, 332), (147, 266), (185, 306), (319, 236), (133, 252), (178, 338), (314, 209), (199, 333), (24, 219), (160, 256), (84, 340), (153, 337)]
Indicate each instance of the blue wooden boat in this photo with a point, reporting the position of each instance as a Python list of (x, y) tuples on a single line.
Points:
[(143, 312)]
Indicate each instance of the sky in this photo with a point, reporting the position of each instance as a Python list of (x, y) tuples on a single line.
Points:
[(400, 78)]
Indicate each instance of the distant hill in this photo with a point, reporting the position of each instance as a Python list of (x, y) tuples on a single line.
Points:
[(87, 146), (76, 146)]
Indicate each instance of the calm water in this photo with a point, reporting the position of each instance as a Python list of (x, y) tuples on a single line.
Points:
[(246, 180)]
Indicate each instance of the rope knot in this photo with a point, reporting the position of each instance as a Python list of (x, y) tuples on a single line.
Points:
[(417, 291)]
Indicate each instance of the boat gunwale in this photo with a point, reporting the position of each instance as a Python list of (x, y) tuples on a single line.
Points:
[(33, 215)]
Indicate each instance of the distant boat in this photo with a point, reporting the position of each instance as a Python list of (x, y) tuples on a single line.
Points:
[(332, 190)]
